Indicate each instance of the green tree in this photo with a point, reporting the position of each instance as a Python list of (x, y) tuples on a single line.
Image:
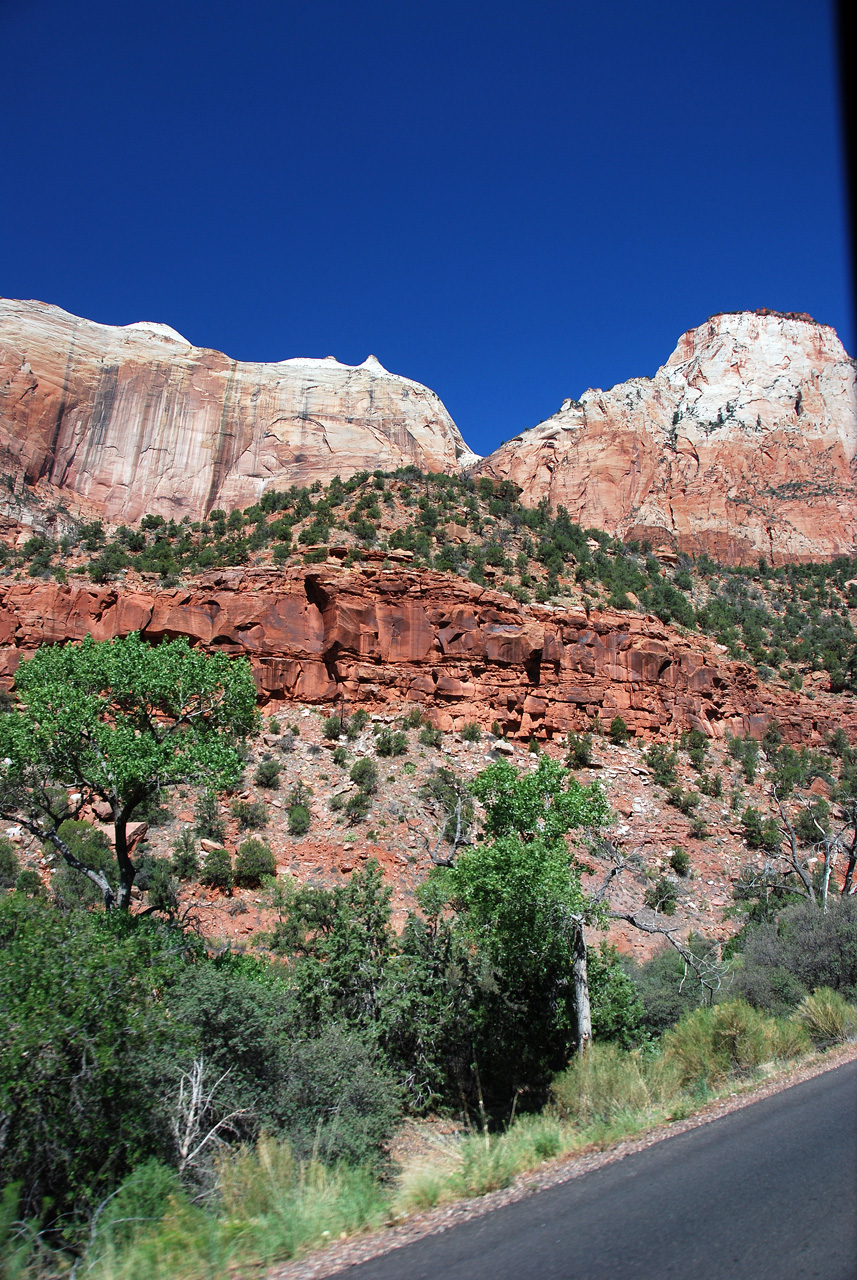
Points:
[(518, 899), (119, 721)]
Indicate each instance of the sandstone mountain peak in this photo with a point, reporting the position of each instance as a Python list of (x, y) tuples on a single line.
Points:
[(135, 419), (159, 330), (743, 444)]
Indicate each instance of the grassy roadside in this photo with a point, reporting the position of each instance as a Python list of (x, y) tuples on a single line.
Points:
[(266, 1208)]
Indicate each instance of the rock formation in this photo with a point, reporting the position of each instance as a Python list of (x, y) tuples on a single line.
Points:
[(135, 419), (742, 445), (378, 637)]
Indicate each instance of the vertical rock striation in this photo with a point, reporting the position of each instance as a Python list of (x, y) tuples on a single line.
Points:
[(743, 444), (135, 419)]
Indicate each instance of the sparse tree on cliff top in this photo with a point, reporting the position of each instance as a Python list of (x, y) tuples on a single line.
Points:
[(117, 721)]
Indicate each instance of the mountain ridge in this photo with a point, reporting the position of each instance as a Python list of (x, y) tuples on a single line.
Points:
[(742, 445)]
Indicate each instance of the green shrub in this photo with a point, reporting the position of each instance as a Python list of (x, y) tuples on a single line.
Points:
[(81, 1003), (390, 743), (9, 865), (618, 731), (812, 824), (611, 1081), (254, 863), (340, 757), (750, 759), (430, 737), (358, 806), (712, 1043), (698, 827), (252, 815), (471, 732), (679, 861), (71, 888), (711, 784), (358, 722), (185, 859), (661, 896), (332, 727), (299, 820), (156, 879), (207, 820), (697, 749), (268, 775), (684, 801), (827, 1017), (578, 750), (759, 832), (364, 773), (29, 883), (662, 762), (666, 987), (413, 719), (805, 949), (217, 870)]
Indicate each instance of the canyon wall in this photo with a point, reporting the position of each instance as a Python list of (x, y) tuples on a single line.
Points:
[(137, 420), (380, 638), (742, 445)]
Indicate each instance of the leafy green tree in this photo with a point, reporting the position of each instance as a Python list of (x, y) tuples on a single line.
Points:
[(82, 1030), (519, 902), (119, 721)]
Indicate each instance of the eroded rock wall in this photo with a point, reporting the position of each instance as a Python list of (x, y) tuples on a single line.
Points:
[(380, 638), (742, 445), (137, 420)]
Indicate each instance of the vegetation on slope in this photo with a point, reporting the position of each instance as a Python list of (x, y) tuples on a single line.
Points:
[(785, 620)]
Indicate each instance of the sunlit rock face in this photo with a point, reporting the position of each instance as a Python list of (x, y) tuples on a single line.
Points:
[(380, 639), (742, 445), (137, 420)]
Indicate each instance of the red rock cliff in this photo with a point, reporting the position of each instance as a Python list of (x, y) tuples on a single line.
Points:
[(379, 638)]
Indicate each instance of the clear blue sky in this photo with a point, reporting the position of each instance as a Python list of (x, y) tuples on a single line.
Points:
[(508, 202)]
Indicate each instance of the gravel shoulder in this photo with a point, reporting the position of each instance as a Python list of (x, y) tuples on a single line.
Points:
[(359, 1249)]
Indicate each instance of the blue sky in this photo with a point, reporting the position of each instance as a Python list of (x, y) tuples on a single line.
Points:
[(509, 203)]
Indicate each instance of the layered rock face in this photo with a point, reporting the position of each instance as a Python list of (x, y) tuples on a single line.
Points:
[(377, 638), (136, 419), (742, 445)]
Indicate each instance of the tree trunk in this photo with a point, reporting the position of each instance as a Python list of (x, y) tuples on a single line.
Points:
[(852, 860), (580, 973), (127, 870)]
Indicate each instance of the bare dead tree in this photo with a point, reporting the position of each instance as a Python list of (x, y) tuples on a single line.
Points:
[(709, 969), (192, 1113), (453, 811), (793, 860)]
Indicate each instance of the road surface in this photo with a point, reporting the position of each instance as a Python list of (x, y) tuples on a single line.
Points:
[(768, 1192)]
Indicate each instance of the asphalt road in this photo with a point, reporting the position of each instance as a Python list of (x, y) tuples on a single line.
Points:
[(769, 1191)]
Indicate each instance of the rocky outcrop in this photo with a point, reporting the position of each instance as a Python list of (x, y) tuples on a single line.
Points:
[(135, 419), (379, 638), (742, 445)]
